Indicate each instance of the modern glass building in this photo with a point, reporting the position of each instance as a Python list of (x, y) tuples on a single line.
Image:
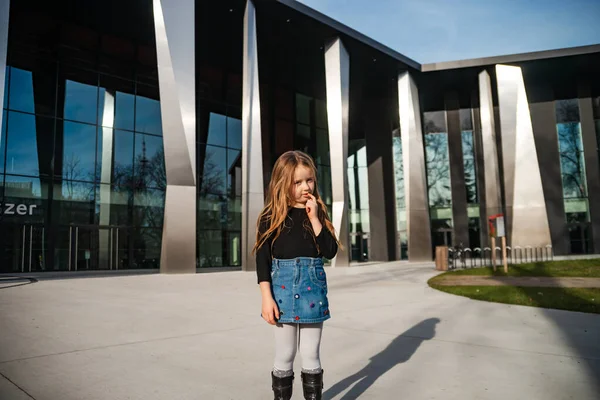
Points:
[(141, 134)]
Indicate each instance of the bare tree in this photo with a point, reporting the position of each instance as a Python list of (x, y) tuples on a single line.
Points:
[(438, 169)]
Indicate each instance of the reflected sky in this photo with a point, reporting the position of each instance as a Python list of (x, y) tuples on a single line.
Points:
[(234, 133), (22, 151), (147, 115), (81, 102), (21, 90), (217, 130), (79, 151)]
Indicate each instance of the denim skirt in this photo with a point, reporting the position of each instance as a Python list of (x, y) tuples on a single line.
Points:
[(300, 290)]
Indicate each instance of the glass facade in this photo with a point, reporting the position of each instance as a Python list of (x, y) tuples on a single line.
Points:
[(82, 157), (574, 182), (470, 177), (358, 199), (82, 163), (439, 188), (401, 228)]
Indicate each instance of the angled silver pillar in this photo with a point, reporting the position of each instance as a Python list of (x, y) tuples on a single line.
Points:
[(493, 198), (337, 74), (415, 178), (525, 205), (175, 47), (4, 14), (252, 163)]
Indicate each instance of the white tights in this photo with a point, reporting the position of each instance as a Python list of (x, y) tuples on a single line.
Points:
[(289, 338)]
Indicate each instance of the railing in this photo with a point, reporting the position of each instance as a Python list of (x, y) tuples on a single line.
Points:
[(464, 257)]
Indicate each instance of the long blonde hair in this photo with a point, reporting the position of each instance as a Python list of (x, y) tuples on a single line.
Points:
[(279, 198)]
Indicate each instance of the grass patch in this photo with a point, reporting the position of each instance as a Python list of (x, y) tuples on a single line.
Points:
[(589, 268), (571, 299)]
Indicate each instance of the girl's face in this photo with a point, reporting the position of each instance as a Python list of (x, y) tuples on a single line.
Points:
[(304, 184)]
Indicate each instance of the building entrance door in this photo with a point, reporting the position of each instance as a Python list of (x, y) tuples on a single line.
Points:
[(94, 248), (22, 248), (360, 246)]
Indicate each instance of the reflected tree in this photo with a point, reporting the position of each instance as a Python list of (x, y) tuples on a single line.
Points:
[(438, 169), (572, 161), (469, 167)]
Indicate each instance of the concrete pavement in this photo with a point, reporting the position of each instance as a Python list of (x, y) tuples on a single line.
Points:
[(201, 337)]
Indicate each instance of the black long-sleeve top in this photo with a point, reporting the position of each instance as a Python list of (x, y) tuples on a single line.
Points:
[(294, 241)]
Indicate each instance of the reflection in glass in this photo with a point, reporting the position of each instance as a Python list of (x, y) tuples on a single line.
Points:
[(146, 247), (210, 248), (6, 83), (81, 102), (79, 151), (303, 131), (466, 120), (214, 171), (322, 156), (234, 173), (74, 202), (572, 162), (438, 169), (234, 214), (122, 172), (324, 181), (212, 212), (147, 115), (148, 208), (321, 114), (21, 91), (116, 103), (398, 169), (217, 130), (577, 210), (149, 162), (22, 153), (598, 136), (303, 109), (468, 149), (112, 205), (567, 111), (3, 139), (234, 133), (434, 122)]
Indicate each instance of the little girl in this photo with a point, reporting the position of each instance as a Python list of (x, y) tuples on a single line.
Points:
[(294, 233)]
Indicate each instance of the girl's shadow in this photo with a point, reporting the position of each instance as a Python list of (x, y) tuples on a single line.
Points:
[(397, 352)]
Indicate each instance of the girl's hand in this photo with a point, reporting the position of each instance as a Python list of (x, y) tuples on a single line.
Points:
[(313, 216), (270, 311), (312, 207)]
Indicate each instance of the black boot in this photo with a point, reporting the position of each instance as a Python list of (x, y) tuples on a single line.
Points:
[(282, 387), (312, 384)]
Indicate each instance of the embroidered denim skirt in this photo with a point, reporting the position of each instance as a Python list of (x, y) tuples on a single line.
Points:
[(300, 290)]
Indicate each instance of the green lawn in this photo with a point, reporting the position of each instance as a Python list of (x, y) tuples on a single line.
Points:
[(589, 268), (573, 299)]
